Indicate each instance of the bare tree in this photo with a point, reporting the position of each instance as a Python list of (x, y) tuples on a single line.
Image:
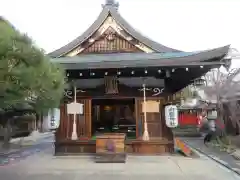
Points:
[(224, 90), (232, 111)]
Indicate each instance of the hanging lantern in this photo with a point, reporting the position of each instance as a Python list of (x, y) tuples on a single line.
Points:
[(199, 82), (171, 116), (107, 108), (53, 118), (212, 114)]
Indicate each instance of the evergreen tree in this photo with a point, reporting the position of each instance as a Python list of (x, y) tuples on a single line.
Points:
[(26, 75)]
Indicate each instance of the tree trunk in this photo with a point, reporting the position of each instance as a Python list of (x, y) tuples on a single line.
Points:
[(39, 122), (237, 129), (220, 118), (41, 117), (7, 134)]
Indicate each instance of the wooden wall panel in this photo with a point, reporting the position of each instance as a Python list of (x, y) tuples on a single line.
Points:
[(69, 128), (65, 128), (139, 127), (156, 123), (83, 122), (88, 117)]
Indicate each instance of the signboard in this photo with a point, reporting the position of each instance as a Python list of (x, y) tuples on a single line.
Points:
[(171, 116), (151, 106), (75, 108)]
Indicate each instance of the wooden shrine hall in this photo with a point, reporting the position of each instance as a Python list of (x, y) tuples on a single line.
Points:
[(110, 66)]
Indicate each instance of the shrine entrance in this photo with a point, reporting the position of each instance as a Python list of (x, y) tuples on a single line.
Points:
[(115, 116)]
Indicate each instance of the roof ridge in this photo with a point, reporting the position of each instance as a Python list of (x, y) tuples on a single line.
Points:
[(111, 3), (111, 7), (74, 43)]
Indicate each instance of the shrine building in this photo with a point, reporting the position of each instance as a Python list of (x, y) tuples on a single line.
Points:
[(109, 64)]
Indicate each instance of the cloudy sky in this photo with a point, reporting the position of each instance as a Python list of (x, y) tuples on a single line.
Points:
[(187, 25)]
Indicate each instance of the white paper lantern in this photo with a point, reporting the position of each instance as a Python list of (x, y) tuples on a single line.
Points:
[(171, 116), (53, 118)]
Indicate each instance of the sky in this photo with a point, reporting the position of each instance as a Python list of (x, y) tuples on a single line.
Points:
[(187, 25)]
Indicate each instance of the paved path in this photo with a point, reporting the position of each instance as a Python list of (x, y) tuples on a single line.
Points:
[(17, 144), (223, 157), (43, 165), (13, 157)]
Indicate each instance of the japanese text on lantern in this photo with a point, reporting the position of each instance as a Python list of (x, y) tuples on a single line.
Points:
[(171, 116)]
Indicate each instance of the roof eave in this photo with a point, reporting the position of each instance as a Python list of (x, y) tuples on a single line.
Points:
[(192, 57)]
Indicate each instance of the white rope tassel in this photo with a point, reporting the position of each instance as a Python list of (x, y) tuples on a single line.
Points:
[(74, 132), (145, 133)]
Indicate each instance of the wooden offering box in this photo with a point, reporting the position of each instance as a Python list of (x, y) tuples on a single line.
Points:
[(110, 148)]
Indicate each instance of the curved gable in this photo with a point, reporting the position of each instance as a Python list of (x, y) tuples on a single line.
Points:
[(111, 17)]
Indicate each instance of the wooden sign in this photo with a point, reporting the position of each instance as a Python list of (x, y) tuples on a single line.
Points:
[(75, 108), (111, 84), (151, 106)]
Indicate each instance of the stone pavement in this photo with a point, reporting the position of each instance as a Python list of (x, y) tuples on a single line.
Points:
[(222, 157), (45, 166), (18, 144), (12, 157), (34, 136), (236, 154)]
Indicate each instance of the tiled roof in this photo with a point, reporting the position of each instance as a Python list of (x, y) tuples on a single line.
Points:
[(121, 60), (111, 9)]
